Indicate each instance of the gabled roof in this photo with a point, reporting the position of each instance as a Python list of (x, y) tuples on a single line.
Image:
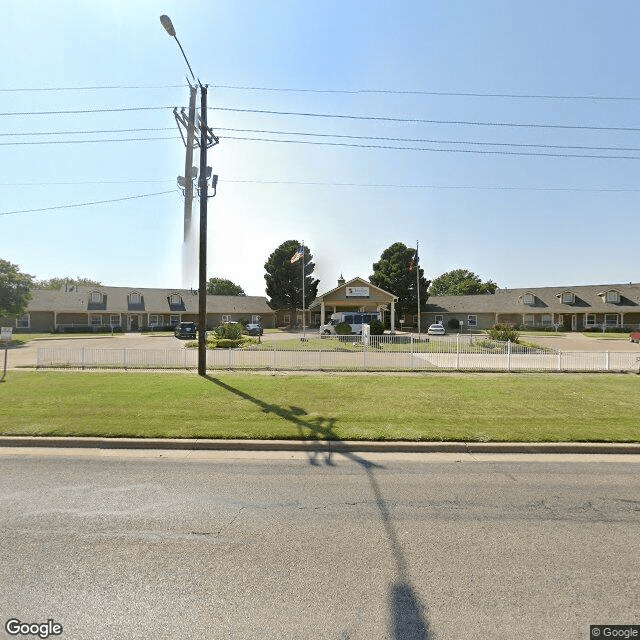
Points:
[(353, 282), (587, 300), (155, 301)]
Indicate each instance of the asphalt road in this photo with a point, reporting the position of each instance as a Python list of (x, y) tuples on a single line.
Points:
[(284, 545)]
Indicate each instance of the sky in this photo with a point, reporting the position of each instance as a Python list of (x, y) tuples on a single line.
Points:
[(452, 83)]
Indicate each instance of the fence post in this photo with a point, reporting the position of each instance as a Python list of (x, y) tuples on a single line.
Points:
[(559, 360), (364, 358), (274, 356), (607, 367), (82, 358), (320, 353), (508, 355), (457, 352), (411, 360), (124, 357), (229, 360)]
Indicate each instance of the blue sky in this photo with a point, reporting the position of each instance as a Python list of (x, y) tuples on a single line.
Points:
[(520, 220)]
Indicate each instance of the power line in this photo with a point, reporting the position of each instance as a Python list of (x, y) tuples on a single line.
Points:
[(419, 92), (469, 142), (86, 204), (61, 133), (423, 120), (76, 111), (30, 89), (40, 142), (414, 92), (391, 147)]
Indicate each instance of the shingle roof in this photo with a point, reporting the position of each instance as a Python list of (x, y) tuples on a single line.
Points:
[(157, 301), (589, 298)]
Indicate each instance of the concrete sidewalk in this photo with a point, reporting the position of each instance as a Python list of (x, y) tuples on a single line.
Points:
[(335, 446)]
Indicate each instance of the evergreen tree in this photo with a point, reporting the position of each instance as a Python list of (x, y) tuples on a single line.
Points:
[(284, 278), (395, 272)]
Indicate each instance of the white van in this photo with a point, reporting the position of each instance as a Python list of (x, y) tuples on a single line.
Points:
[(355, 319)]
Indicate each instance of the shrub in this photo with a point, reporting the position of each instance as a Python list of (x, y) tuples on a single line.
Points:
[(226, 343), (454, 324), (229, 331), (504, 332), (376, 328), (343, 329)]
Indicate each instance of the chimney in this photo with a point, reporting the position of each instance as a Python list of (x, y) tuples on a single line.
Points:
[(341, 280)]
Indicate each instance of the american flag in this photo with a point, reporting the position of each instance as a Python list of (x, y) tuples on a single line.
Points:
[(298, 254)]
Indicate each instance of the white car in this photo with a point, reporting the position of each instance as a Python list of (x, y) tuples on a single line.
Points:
[(436, 330)]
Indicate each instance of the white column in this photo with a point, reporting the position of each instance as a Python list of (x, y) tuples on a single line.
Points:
[(322, 313), (393, 316)]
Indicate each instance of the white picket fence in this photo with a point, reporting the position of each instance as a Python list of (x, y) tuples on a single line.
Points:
[(383, 353)]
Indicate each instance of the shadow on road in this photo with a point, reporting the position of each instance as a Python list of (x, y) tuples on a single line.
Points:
[(408, 613)]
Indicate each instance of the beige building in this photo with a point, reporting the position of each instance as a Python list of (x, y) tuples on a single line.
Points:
[(356, 295)]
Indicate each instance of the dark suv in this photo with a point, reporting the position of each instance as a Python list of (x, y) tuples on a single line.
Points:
[(186, 330)]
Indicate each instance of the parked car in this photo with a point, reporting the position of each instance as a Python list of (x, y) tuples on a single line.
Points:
[(436, 330), (186, 330), (254, 329)]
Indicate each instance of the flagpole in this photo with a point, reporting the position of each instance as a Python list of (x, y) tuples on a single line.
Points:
[(304, 323), (418, 286)]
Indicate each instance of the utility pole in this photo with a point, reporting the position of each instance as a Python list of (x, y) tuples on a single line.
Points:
[(189, 124), (207, 139)]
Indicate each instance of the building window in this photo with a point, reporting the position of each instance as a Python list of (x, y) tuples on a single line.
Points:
[(287, 320), (134, 298), (24, 322), (568, 297), (590, 320), (472, 321), (96, 297), (439, 319), (528, 298), (255, 319), (611, 319), (96, 321), (546, 319), (226, 318), (174, 320), (613, 296), (529, 320), (114, 320), (176, 298), (153, 320)]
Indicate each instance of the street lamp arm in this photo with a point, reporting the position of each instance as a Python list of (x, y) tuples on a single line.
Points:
[(168, 27)]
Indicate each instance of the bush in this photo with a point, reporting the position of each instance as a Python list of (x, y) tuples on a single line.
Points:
[(226, 343), (504, 332), (376, 328), (343, 329), (229, 331), (454, 324)]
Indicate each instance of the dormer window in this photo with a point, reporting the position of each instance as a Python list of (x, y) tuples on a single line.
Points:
[(568, 297), (134, 298), (528, 298), (612, 296), (176, 299), (96, 297)]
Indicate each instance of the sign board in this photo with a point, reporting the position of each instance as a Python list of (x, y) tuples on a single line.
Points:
[(357, 292), (5, 333)]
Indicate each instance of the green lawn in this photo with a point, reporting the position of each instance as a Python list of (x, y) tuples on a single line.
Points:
[(470, 407), (22, 338), (606, 336)]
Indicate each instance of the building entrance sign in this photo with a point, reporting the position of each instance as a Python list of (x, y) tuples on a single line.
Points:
[(357, 292)]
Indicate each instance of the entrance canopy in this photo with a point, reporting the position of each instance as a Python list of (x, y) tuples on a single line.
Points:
[(356, 295)]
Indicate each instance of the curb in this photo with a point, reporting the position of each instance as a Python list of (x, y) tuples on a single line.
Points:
[(321, 445)]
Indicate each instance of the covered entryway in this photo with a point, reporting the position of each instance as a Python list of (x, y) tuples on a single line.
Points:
[(134, 321), (356, 295)]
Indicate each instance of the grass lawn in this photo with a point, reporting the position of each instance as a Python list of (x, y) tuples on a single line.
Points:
[(607, 335), (471, 407), (22, 338)]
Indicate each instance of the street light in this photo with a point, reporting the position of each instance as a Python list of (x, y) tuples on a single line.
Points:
[(207, 139)]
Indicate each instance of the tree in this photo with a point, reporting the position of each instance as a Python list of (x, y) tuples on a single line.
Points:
[(57, 283), (395, 272), (284, 278), (223, 287), (460, 282), (14, 290)]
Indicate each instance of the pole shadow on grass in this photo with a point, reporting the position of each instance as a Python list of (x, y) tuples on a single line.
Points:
[(408, 613)]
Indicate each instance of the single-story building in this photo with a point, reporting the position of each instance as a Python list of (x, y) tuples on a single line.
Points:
[(132, 309), (573, 308), (356, 295)]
